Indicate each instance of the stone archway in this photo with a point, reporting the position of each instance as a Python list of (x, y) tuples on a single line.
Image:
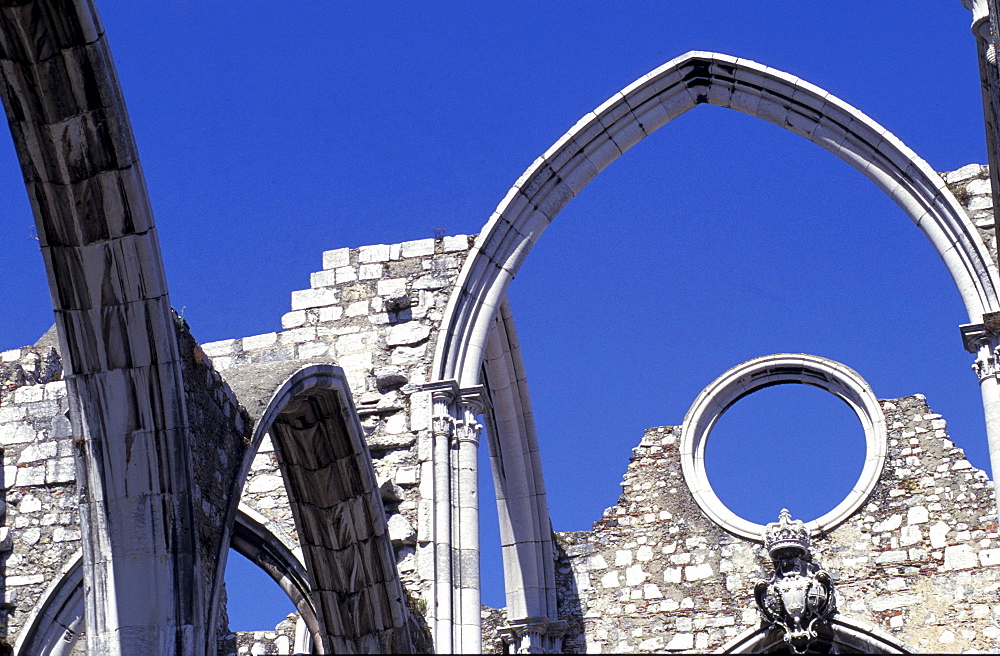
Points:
[(468, 341)]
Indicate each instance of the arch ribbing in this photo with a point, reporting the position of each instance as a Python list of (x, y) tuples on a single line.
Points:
[(354, 589), (651, 102)]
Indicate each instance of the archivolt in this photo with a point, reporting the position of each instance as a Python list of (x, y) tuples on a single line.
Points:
[(652, 101)]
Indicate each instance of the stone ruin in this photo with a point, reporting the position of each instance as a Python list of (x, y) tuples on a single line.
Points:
[(340, 453)]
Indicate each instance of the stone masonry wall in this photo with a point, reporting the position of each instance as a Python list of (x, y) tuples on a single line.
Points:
[(971, 186), (919, 561), (39, 476), (375, 312)]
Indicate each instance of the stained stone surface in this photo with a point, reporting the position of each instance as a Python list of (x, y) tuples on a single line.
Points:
[(920, 561)]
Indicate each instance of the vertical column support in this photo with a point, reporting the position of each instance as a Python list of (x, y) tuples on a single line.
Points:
[(455, 615), (443, 395), (468, 624), (984, 340), (987, 37)]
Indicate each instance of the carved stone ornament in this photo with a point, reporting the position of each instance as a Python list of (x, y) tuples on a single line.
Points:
[(799, 595)]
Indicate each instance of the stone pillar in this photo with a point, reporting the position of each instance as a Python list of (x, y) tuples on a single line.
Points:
[(984, 340), (468, 625), (455, 615), (987, 38), (443, 395)]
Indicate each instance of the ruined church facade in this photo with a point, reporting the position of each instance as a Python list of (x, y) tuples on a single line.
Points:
[(340, 454)]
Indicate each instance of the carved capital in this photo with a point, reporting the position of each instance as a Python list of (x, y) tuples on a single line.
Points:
[(534, 635)]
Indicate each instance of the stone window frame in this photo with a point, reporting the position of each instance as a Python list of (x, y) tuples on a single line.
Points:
[(767, 371)]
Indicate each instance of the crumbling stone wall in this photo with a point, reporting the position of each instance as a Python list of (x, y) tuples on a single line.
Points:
[(920, 561), (374, 311), (971, 186), (42, 526)]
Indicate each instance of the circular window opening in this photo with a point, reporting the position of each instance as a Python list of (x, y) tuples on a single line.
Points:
[(786, 446)]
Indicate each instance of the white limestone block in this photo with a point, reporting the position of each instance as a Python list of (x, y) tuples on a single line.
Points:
[(336, 258), (960, 556), (610, 579), (400, 530), (644, 553), (256, 342), (418, 248), (917, 515), (890, 524), (39, 451), (391, 287), (31, 579), (353, 364), (395, 251), (311, 298), (325, 278), (223, 347), (373, 254), (261, 461), (12, 413), (634, 575), (9, 475), (55, 390), (331, 313), (265, 483), (396, 424), (420, 411), (30, 476), (313, 350), (672, 575), (681, 642), (597, 562), (370, 271), (12, 355), (887, 557), (357, 309), (29, 536), (651, 591), (938, 535), (910, 535), (29, 504), (29, 394), (346, 274), (407, 333), (298, 335), (293, 319), (989, 557), (698, 572), (406, 476), (65, 534), (60, 470)]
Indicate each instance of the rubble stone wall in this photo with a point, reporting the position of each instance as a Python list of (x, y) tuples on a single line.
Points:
[(375, 312), (920, 561)]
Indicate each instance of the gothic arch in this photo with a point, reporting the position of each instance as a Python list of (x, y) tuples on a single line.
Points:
[(848, 636), (354, 592), (58, 621), (468, 344), (649, 103)]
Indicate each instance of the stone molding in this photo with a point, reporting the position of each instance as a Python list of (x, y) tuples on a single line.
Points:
[(838, 379)]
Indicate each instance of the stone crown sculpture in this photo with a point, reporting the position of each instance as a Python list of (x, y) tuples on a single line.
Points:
[(799, 595)]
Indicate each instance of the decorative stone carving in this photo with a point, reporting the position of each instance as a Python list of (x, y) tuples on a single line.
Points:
[(799, 595)]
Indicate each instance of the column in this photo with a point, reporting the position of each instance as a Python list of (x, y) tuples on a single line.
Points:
[(984, 340)]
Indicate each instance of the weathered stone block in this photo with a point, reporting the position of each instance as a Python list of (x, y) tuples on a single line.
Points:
[(312, 298), (336, 258)]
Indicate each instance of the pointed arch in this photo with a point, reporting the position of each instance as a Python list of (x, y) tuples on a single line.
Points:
[(474, 321), (648, 104)]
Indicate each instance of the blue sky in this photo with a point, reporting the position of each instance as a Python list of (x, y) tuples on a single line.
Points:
[(269, 134)]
